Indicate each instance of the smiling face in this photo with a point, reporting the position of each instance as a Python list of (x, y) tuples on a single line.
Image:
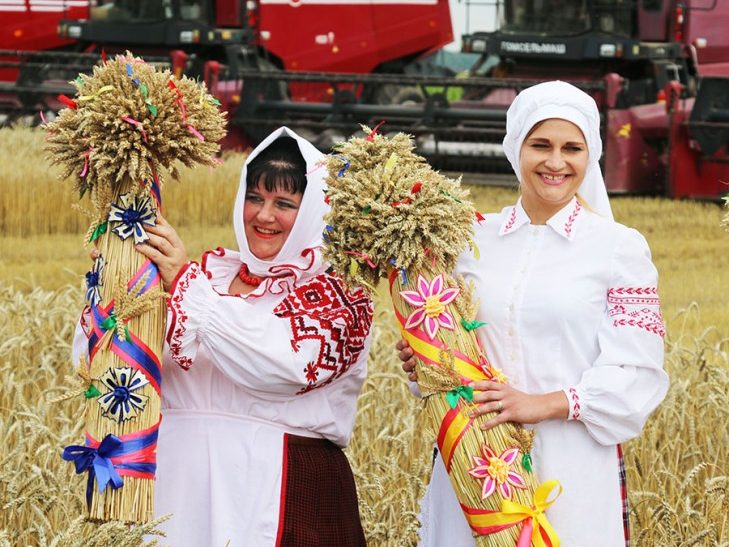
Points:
[(268, 217), (553, 163)]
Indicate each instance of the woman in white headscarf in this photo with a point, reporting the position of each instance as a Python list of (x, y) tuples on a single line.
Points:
[(266, 355), (573, 320)]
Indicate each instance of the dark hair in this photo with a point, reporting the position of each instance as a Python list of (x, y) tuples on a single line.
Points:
[(280, 166)]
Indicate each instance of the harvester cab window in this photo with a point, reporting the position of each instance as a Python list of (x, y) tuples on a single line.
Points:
[(653, 5), (132, 10), (547, 17), (192, 10)]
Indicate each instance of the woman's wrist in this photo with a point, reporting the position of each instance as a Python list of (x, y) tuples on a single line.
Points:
[(555, 405)]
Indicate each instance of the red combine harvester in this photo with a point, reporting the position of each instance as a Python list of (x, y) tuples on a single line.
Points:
[(32, 25), (665, 69), (221, 40), (659, 70)]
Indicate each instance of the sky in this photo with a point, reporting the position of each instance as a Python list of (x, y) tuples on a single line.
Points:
[(471, 18)]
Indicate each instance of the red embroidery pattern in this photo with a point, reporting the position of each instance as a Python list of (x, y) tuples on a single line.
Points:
[(625, 302), (512, 220), (634, 295), (574, 403), (179, 317), (323, 312), (571, 219)]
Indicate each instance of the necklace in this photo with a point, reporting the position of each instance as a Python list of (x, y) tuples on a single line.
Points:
[(249, 278)]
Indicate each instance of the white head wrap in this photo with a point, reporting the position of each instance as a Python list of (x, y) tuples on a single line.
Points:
[(300, 253), (563, 101)]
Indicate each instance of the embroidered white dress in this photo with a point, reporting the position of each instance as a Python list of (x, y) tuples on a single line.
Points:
[(571, 305), (294, 365)]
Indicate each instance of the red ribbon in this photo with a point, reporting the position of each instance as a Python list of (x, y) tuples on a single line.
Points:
[(371, 136), (70, 103)]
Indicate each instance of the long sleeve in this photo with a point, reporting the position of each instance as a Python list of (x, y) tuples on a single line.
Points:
[(317, 333), (626, 382), (80, 344)]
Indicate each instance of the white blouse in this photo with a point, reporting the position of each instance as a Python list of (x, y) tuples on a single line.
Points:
[(239, 373), (573, 306)]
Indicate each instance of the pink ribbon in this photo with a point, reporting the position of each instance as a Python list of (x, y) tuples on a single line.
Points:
[(363, 256), (183, 110), (136, 124), (85, 170)]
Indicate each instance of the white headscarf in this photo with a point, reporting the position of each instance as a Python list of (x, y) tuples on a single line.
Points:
[(563, 101), (300, 254)]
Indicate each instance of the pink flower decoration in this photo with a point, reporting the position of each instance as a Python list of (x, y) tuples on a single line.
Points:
[(494, 471), (430, 301)]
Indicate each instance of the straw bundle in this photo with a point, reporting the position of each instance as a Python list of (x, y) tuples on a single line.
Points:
[(392, 216), (127, 123)]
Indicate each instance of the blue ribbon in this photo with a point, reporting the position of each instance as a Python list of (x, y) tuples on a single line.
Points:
[(129, 348), (97, 461)]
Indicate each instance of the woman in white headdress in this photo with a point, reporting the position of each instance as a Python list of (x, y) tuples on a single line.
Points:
[(266, 354), (573, 319)]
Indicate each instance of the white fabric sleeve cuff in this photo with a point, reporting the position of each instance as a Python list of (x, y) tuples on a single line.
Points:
[(573, 398)]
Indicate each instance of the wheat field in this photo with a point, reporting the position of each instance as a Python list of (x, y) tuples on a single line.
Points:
[(677, 470)]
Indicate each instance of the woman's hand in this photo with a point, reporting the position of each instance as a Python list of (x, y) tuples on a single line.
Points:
[(406, 355), (165, 249), (512, 405)]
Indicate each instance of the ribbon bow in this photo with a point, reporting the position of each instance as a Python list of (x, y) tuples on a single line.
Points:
[(97, 461), (453, 395), (536, 530)]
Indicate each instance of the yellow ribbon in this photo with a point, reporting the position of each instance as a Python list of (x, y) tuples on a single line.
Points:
[(464, 368), (390, 163), (513, 513), (93, 96)]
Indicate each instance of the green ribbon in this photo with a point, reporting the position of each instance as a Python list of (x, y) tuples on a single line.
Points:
[(526, 462), (472, 325), (145, 93), (213, 100), (110, 323), (92, 392), (454, 198), (453, 395), (98, 231)]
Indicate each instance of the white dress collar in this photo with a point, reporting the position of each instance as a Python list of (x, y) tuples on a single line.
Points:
[(564, 222)]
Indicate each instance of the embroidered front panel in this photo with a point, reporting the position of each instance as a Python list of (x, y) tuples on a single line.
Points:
[(638, 307), (323, 312), (179, 317)]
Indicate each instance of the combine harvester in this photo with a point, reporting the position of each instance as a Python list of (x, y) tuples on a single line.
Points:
[(658, 69)]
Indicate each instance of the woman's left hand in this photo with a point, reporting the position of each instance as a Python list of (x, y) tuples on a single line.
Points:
[(512, 405), (165, 249)]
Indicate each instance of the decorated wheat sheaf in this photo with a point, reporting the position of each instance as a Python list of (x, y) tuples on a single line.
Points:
[(127, 124), (392, 216), (389, 209)]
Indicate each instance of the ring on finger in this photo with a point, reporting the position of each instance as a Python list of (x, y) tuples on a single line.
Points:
[(500, 406)]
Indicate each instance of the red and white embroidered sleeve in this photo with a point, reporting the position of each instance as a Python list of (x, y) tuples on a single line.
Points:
[(323, 312), (177, 314), (636, 307)]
